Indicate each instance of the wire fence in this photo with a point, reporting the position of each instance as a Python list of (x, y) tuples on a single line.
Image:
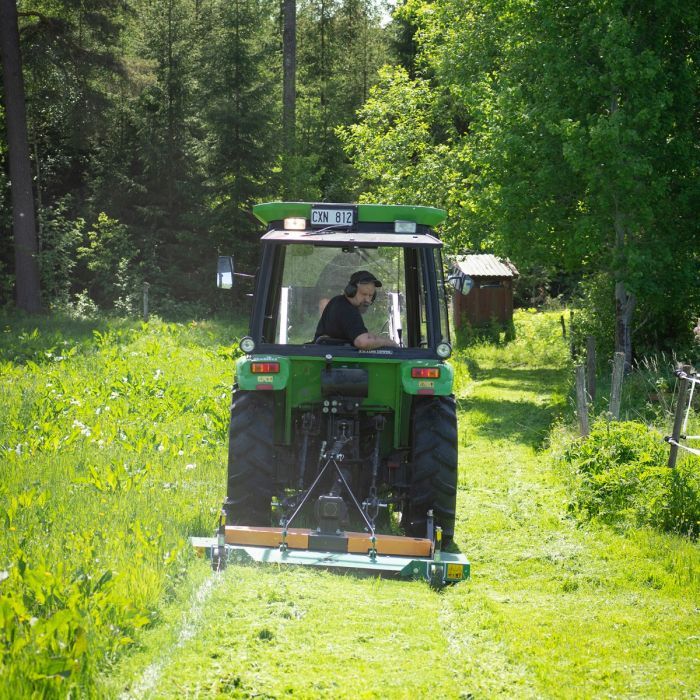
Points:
[(678, 439)]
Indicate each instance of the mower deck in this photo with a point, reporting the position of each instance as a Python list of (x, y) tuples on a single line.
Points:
[(405, 557)]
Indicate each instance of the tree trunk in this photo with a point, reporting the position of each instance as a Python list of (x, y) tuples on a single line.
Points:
[(289, 61), (625, 302), (27, 285)]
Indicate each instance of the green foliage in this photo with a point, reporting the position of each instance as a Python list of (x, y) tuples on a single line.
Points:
[(621, 476), (59, 244), (239, 115), (396, 146), (340, 48), (558, 136), (111, 443), (594, 314), (107, 256)]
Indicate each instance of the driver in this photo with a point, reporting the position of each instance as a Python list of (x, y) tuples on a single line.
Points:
[(341, 319)]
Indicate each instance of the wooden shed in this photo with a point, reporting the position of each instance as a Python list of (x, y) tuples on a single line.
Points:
[(491, 293)]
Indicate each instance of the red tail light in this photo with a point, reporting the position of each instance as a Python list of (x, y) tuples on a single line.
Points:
[(425, 372), (265, 367)]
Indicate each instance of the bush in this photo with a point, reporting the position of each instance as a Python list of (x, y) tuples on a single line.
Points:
[(620, 476)]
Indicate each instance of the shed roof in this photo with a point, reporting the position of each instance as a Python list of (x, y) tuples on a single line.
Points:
[(485, 266)]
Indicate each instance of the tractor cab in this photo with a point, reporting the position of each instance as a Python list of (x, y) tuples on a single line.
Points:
[(309, 254)]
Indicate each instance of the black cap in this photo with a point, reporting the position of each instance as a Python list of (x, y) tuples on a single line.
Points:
[(364, 277)]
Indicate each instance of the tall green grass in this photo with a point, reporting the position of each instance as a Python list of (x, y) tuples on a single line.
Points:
[(620, 475), (112, 452)]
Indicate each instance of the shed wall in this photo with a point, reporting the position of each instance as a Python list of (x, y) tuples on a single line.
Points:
[(484, 303)]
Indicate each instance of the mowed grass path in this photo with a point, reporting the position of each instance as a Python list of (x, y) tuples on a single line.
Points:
[(554, 609)]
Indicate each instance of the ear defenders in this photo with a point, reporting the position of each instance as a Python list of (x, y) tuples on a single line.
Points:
[(351, 290)]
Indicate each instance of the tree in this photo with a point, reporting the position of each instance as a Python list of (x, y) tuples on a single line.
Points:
[(395, 148), (341, 49), (289, 61), (165, 182), (28, 287), (574, 130), (68, 59), (240, 117)]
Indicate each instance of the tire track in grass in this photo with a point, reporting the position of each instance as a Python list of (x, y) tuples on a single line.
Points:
[(191, 621), (275, 631)]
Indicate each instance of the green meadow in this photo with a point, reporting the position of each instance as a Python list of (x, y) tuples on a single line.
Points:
[(113, 452)]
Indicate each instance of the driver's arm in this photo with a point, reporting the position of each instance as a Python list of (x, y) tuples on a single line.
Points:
[(370, 341)]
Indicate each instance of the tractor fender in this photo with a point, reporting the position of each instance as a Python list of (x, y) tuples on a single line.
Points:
[(428, 384), (262, 372)]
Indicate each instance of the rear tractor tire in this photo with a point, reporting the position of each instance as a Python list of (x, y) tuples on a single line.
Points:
[(433, 480), (250, 459)]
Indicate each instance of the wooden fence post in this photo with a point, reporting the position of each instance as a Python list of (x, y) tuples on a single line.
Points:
[(618, 375), (562, 320), (581, 402), (590, 366), (572, 335), (146, 285), (680, 409)]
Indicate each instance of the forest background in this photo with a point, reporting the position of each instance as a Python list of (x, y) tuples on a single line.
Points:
[(565, 136)]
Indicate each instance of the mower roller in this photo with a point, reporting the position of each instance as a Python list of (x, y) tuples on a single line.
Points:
[(327, 433)]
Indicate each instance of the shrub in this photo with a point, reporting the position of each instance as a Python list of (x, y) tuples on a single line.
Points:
[(60, 238), (620, 476), (109, 257)]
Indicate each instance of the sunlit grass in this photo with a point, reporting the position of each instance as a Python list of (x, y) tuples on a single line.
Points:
[(538, 343), (556, 609), (113, 443)]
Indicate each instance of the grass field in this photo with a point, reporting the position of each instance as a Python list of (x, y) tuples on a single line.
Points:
[(113, 442)]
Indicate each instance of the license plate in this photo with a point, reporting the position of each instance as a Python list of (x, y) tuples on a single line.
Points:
[(332, 216), (455, 572)]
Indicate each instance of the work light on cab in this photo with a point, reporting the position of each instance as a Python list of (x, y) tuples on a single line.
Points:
[(404, 226), (295, 223), (247, 344)]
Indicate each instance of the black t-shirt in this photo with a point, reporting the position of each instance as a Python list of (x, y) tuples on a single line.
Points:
[(341, 320)]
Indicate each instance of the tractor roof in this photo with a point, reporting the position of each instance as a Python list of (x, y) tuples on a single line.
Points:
[(366, 213)]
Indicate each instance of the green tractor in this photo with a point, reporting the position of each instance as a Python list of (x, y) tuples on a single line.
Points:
[(323, 430)]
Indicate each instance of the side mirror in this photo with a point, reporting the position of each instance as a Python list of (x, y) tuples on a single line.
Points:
[(460, 281), (224, 272)]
